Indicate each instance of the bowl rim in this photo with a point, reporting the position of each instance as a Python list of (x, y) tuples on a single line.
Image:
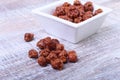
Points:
[(75, 25)]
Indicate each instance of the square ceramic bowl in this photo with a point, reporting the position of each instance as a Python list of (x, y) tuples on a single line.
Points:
[(73, 32)]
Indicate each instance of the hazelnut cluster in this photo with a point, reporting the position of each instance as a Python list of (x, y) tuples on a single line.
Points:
[(52, 52), (77, 12)]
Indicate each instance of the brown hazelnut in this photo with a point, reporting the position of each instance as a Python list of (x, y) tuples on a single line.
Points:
[(77, 3), (63, 59), (52, 45), (28, 37), (59, 47), (73, 12), (55, 41), (66, 4), (42, 61), (57, 52), (65, 17), (41, 44), (44, 52), (87, 15), (88, 6), (60, 10), (72, 56), (63, 53), (57, 64), (51, 56), (77, 20), (82, 12), (47, 40), (98, 11), (33, 53)]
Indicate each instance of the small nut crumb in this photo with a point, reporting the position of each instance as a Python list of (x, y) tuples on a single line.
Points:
[(42, 61), (28, 37), (33, 53), (72, 56), (57, 64)]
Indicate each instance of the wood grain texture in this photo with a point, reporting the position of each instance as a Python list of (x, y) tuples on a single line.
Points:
[(99, 55)]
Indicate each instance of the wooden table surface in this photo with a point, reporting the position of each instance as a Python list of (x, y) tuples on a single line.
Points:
[(99, 54)]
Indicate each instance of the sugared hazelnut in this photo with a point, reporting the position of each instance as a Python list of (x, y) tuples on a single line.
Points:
[(77, 20), (63, 59), (65, 17), (98, 11), (72, 56), (77, 3), (44, 52), (42, 61), (28, 37), (59, 47), (41, 44), (87, 15), (89, 6), (51, 56), (63, 53), (66, 4), (33, 53), (57, 64)]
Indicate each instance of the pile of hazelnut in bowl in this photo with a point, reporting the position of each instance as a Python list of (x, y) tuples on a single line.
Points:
[(51, 51), (77, 12)]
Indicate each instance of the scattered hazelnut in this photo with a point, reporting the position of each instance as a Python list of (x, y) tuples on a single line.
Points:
[(41, 44), (63, 53), (44, 52), (63, 59), (57, 64), (59, 47), (42, 61), (51, 56), (33, 53), (28, 37), (72, 56)]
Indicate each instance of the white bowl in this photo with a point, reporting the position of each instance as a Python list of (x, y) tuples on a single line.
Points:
[(67, 30)]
